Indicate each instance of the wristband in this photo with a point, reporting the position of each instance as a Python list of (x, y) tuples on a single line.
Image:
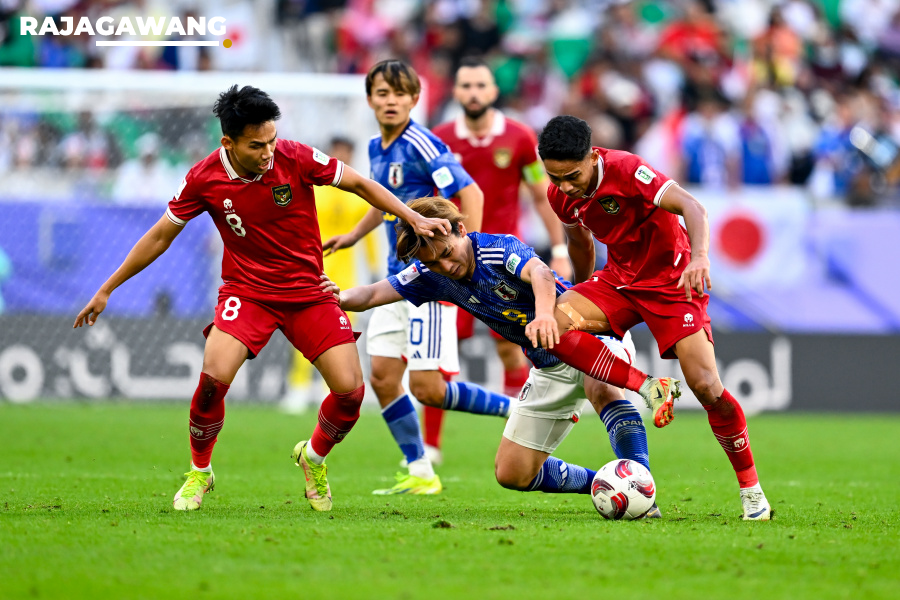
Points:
[(559, 251)]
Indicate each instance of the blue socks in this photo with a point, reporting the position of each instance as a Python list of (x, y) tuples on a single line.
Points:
[(627, 435), (559, 477), (471, 398), (403, 422)]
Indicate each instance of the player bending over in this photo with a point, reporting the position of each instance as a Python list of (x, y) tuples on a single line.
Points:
[(501, 281), (654, 265), (258, 190)]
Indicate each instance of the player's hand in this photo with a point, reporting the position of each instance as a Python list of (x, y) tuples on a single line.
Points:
[(695, 275), (338, 242), (543, 332), (330, 287), (430, 227), (563, 267), (89, 314)]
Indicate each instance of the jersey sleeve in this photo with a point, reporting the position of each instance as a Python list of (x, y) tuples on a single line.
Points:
[(316, 167), (187, 202), (644, 181), (413, 284), (515, 254), (436, 158)]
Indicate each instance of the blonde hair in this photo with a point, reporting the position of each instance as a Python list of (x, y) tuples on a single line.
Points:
[(431, 207)]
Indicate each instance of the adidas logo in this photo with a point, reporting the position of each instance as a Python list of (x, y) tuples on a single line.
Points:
[(474, 300), (416, 354)]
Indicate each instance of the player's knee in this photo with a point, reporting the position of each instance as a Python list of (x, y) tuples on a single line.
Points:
[(512, 477), (384, 385), (429, 393), (704, 384), (350, 400)]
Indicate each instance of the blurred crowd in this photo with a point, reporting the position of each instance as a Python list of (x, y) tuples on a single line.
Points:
[(716, 93)]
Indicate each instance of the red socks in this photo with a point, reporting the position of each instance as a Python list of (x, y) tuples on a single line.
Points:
[(514, 380), (433, 423), (337, 416), (591, 356), (207, 417), (726, 418)]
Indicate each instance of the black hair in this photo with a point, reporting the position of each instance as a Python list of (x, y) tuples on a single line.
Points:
[(565, 138), (472, 62), (399, 75), (237, 108)]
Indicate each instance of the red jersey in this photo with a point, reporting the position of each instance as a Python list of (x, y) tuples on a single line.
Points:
[(498, 163), (273, 251), (646, 245)]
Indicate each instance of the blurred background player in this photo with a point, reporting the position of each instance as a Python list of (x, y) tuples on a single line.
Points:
[(409, 160), (501, 156), (335, 208), (259, 192), (655, 266), (459, 267)]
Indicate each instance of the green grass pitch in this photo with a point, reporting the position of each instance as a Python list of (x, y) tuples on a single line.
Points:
[(86, 512)]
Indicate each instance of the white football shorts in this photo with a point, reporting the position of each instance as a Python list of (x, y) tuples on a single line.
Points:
[(424, 336), (551, 401)]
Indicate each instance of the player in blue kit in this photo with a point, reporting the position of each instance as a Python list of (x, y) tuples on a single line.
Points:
[(502, 282), (411, 162)]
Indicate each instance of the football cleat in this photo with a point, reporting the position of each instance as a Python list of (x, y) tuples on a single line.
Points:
[(659, 396), (653, 513), (318, 492), (432, 453), (410, 484), (190, 496), (756, 507)]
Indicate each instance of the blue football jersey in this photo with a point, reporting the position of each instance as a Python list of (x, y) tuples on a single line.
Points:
[(495, 294), (416, 164)]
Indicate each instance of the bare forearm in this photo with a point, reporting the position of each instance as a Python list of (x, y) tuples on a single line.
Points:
[(357, 299), (583, 259), (545, 212), (368, 223), (471, 204), (144, 252), (544, 285), (697, 225)]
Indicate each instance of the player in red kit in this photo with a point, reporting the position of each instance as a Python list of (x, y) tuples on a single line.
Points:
[(501, 155), (259, 192), (657, 272)]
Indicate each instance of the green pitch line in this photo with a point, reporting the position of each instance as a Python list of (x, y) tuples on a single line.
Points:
[(86, 512)]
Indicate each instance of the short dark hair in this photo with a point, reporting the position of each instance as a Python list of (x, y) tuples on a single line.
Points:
[(431, 207), (565, 138), (399, 75), (237, 108), (472, 62)]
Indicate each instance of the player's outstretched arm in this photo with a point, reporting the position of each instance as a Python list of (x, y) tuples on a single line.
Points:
[(377, 195), (679, 201), (147, 249), (363, 297), (370, 221), (543, 330), (471, 204), (581, 251)]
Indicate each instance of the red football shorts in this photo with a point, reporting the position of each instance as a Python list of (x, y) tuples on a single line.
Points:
[(668, 314), (311, 328), (465, 326)]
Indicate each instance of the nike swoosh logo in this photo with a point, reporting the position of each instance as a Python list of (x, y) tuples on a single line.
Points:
[(659, 394)]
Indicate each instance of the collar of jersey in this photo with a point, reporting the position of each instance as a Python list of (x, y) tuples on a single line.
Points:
[(591, 193), (232, 174), (391, 145), (498, 127)]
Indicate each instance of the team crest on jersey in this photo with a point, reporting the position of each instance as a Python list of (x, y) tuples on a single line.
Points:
[(610, 205), (502, 157), (505, 291), (282, 194), (395, 175)]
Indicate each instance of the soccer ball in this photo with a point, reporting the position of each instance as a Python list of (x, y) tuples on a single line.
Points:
[(623, 489)]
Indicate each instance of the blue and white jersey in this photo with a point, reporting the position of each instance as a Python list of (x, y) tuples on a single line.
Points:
[(495, 295), (416, 164)]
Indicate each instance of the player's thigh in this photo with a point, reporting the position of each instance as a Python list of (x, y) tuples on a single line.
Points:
[(549, 405), (223, 355), (386, 335), (671, 317), (340, 368), (596, 306), (515, 466), (432, 344)]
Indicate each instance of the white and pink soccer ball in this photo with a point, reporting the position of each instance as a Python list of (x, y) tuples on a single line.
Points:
[(623, 489)]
